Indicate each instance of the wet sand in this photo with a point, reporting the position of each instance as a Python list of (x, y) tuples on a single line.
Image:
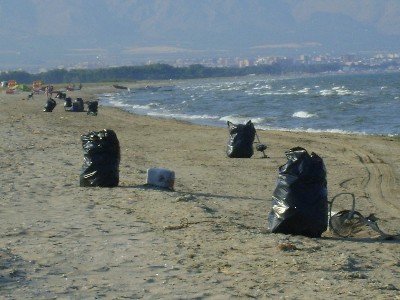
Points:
[(207, 239)]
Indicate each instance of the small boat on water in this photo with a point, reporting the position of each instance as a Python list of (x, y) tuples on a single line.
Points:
[(120, 87)]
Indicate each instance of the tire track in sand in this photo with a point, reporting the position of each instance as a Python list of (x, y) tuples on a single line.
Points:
[(379, 183)]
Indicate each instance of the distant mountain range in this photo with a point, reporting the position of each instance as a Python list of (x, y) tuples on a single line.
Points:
[(44, 33)]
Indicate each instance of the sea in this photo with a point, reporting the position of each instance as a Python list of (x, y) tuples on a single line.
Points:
[(367, 104)]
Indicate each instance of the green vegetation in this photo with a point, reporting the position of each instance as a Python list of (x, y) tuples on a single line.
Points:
[(159, 72)]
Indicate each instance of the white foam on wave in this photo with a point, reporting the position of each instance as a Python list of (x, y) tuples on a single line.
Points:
[(262, 87), (117, 103), (257, 120), (304, 91), (333, 130), (338, 90), (259, 93), (303, 115), (344, 92), (310, 130), (182, 116), (147, 106), (107, 95), (241, 120), (326, 92), (234, 119)]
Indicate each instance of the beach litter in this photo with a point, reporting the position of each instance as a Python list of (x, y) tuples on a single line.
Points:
[(160, 177), (241, 139), (351, 223), (92, 108), (299, 201), (78, 105), (50, 105), (68, 104), (101, 159)]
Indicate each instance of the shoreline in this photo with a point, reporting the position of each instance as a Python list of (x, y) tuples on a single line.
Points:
[(207, 239)]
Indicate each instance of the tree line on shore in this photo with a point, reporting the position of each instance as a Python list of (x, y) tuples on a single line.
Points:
[(159, 72)]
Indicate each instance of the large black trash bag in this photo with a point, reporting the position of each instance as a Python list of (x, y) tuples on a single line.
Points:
[(92, 108), (241, 139), (78, 105), (67, 103), (300, 199), (61, 95), (101, 159), (50, 104)]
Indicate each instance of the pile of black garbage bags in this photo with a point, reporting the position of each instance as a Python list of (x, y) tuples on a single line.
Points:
[(78, 105)]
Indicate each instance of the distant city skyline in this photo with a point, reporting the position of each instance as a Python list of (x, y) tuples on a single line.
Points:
[(40, 34)]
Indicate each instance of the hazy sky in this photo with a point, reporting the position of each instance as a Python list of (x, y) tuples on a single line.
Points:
[(50, 33)]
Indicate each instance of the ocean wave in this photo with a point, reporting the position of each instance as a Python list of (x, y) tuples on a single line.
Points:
[(182, 116), (304, 91), (349, 103), (303, 115), (241, 119), (326, 92), (310, 130)]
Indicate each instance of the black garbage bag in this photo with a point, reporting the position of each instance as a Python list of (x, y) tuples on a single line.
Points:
[(67, 103), (92, 108), (78, 105), (50, 104), (241, 139), (101, 159), (61, 95), (300, 199)]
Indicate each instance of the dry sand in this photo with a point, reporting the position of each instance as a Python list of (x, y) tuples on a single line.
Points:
[(205, 240)]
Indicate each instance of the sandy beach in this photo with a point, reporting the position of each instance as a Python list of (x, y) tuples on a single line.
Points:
[(208, 238)]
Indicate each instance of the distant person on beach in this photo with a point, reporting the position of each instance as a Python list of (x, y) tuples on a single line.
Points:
[(49, 91)]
